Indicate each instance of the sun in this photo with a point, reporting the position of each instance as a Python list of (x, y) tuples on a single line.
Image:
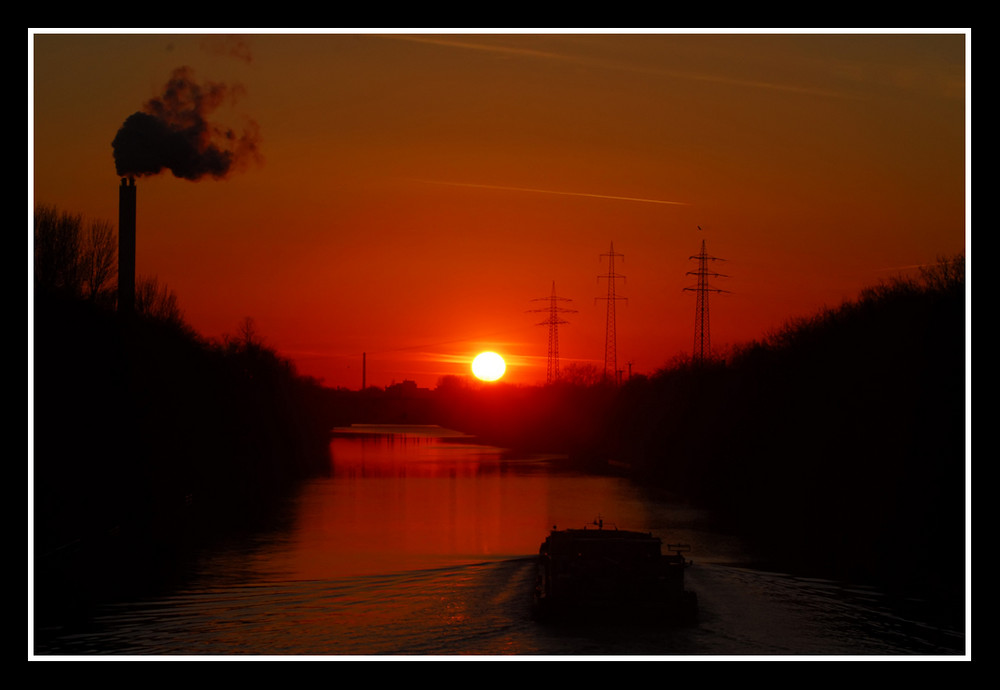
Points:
[(488, 366)]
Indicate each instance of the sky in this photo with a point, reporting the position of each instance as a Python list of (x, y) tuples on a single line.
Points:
[(385, 206)]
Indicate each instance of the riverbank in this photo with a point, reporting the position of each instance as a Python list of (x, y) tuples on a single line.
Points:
[(149, 443)]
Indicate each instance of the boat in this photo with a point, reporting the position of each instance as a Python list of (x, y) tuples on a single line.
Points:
[(590, 574)]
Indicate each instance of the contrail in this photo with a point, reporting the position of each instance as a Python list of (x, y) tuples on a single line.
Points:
[(447, 41), (469, 43), (552, 191)]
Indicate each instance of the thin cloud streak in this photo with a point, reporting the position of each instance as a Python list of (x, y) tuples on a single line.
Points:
[(481, 47), (449, 358), (909, 267), (555, 192), (608, 64), (426, 347)]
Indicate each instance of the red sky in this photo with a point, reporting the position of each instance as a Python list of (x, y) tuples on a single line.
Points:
[(416, 192)]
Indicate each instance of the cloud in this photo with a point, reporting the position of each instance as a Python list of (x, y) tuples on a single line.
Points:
[(173, 132), (228, 46)]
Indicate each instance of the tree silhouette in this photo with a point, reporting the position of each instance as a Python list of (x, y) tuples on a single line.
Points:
[(78, 259), (247, 334), (74, 257), (99, 261), (57, 248), (156, 301)]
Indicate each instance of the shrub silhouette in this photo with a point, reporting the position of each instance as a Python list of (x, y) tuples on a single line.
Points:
[(836, 443), (149, 442)]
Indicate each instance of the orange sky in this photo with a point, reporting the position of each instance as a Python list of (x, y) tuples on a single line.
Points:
[(416, 192)]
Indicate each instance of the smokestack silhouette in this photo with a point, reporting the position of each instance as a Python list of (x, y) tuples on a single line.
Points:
[(172, 132), (126, 246)]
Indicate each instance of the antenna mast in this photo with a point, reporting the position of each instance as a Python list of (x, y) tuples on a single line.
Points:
[(702, 335), (610, 341), (553, 322)]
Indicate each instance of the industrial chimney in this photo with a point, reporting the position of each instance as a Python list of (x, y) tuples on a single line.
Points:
[(126, 246)]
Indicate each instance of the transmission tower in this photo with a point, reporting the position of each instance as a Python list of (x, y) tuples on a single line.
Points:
[(553, 321), (610, 356), (702, 335)]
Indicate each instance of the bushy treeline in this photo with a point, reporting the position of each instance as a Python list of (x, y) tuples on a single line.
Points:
[(74, 257), (836, 443), (566, 417), (148, 440), (77, 259)]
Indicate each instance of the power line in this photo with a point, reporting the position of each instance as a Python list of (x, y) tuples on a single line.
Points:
[(553, 321), (610, 337), (702, 332)]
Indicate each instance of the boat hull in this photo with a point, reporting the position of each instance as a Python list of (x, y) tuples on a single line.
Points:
[(601, 575)]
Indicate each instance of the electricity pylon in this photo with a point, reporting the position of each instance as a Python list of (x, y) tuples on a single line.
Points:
[(553, 321), (610, 339), (702, 334)]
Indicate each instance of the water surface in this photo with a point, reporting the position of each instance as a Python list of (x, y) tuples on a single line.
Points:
[(420, 542)]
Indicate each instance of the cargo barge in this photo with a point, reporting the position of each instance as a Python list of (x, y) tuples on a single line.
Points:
[(600, 573)]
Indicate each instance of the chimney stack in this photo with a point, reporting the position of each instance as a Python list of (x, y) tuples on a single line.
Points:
[(126, 246)]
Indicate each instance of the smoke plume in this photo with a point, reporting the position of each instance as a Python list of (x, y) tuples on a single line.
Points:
[(172, 132)]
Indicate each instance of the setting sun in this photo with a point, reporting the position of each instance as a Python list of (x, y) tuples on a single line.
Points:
[(488, 366), (420, 304)]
